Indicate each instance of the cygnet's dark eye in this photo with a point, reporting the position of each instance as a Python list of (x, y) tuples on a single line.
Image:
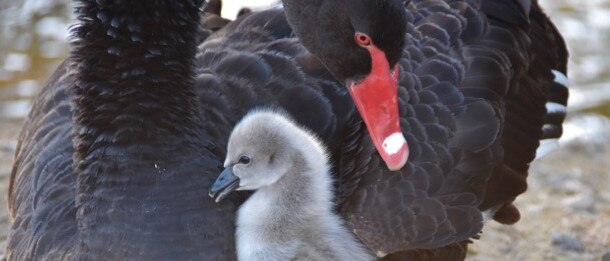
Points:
[(244, 160)]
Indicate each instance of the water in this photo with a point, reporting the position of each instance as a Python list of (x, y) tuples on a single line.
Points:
[(32, 43)]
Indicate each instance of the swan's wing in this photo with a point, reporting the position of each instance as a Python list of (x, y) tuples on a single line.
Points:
[(535, 106), (253, 62), (41, 190), (472, 106)]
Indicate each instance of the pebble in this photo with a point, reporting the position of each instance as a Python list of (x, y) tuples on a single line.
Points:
[(575, 186), (565, 181), (606, 257), (508, 249), (581, 202), (568, 243)]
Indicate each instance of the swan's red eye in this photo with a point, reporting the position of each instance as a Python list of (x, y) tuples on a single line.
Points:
[(362, 39)]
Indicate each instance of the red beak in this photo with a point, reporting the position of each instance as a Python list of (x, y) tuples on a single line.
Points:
[(376, 100)]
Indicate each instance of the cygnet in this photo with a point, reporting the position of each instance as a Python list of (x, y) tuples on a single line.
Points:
[(290, 215)]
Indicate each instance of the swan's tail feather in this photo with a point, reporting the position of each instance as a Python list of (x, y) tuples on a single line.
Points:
[(556, 110)]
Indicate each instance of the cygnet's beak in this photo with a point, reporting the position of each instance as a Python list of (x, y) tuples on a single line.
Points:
[(224, 184)]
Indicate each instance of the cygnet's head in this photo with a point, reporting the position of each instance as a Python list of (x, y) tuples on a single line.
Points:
[(259, 153)]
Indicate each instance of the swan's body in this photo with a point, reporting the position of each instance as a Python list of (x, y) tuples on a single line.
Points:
[(290, 216), (120, 146)]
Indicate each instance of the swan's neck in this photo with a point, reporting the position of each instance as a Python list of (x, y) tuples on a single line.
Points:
[(137, 139), (134, 65), (134, 101)]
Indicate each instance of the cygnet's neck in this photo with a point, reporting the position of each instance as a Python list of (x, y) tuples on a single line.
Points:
[(304, 188)]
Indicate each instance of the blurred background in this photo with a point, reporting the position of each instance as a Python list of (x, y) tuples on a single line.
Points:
[(565, 212)]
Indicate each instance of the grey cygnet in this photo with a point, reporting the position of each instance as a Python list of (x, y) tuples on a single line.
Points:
[(290, 216)]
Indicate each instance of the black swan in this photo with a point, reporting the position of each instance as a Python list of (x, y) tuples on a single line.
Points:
[(290, 216), (120, 147)]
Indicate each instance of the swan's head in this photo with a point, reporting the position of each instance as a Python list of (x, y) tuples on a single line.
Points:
[(259, 153), (361, 43)]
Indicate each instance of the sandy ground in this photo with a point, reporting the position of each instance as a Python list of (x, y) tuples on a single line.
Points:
[(565, 212)]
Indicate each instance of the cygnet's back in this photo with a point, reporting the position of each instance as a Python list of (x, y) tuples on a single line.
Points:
[(290, 216)]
